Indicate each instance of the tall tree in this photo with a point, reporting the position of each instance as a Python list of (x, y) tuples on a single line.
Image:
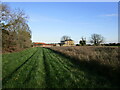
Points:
[(16, 33), (96, 39), (82, 41)]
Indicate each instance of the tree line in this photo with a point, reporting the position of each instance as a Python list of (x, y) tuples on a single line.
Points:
[(95, 39), (16, 34)]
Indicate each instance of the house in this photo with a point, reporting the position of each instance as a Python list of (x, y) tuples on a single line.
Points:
[(68, 42)]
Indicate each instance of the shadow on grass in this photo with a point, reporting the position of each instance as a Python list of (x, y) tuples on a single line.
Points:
[(94, 67)]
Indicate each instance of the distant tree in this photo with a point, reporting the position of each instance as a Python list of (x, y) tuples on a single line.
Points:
[(65, 38), (77, 44), (96, 39), (83, 41)]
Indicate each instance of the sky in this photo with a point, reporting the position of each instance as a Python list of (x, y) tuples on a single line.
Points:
[(49, 21), (60, 0)]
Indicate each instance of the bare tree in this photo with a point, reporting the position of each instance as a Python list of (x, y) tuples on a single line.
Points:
[(96, 39), (65, 38)]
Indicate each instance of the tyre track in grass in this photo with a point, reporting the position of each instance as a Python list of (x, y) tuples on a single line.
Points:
[(30, 72), (20, 59), (58, 76), (47, 70), (73, 76), (54, 79), (36, 77), (10, 75), (62, 61), (19, 55), (73, 80), (26, 70), (17, 79), (62, 74)]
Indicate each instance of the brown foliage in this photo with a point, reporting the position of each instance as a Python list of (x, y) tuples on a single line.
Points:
[(103, 55), (95, 59)]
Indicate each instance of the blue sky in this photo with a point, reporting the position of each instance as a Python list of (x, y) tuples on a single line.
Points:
[(49, 21)]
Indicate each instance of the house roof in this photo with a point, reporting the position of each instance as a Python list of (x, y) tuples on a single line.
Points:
[(49, 44), (39, 43)]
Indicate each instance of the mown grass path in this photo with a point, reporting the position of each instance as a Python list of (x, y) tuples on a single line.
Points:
[(43, 68)]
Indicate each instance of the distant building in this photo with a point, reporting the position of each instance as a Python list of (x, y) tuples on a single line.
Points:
[(48, 45), (57, 44), (39, 44), (68, 42)]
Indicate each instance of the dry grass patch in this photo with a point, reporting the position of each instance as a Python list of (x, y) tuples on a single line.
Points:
[(101, 60), (103, 55)]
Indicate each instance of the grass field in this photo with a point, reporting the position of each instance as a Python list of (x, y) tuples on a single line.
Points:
[(49, 68)]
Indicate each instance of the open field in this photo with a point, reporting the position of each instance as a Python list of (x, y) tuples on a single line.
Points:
[(54, 68)]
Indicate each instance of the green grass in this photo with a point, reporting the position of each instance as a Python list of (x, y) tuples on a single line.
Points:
[(44, 68)]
